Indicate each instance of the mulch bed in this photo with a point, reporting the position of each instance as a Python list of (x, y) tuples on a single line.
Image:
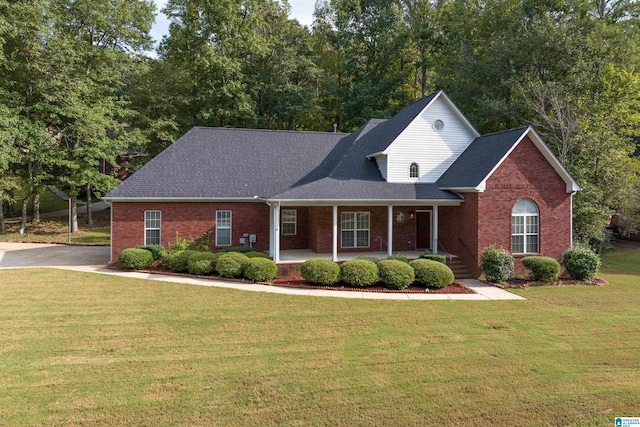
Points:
[(302, 284), (519, 283)]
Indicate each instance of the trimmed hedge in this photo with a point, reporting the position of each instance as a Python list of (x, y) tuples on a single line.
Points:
[(240, 249), (157, 251), (399, 258), (373, 259), (320, 271), (396, 274), (202, 263), (179, 261), (135, 258), (359, 272), (581, 263), (254, 254), (435, 257), (432, 273), (543, 268), (231, 264), (260, 269), (497, 264)]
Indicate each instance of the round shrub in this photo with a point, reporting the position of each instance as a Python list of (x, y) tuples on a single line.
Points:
[(359, 272), (581, 263), (396, 274), (231, 264), (543, 268), (260, 269), (435, 257), (240, 249), (497, 264), (432, 273), (373, 259), (397, 257), (179, 261), (320, 271), (202, 263), (135, 258), (254, 254), (156, 250)]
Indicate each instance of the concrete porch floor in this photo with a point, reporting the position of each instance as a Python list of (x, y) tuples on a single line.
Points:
[(301, 255)]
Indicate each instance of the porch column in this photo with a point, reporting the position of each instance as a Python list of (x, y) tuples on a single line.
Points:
[(335, 233), (276, 232), (271, 234), (434, 244), (390, 230)]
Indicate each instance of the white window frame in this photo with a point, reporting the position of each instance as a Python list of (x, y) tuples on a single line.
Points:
[(289, 216), (355, 229), (527, 225), (158, 228), (417, 170), (224, 227)]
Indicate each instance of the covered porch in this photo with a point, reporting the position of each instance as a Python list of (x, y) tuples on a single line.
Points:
[(301, 255)]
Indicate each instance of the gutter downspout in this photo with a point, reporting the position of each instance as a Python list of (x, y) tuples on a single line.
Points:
[(110, 230)]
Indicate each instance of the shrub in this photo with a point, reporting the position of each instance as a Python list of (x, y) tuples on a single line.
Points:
[(135, 258), (320, 271), (240, 249), (432, 273), (156, 250), (434, 257), (202, 263), (543, 268), (179, 261), (373, 259), (231, 264), (581, 263), (497, 264), (359, 272), (260, 269), (180, 245), (396, 274), (254, 254), (397, 257)]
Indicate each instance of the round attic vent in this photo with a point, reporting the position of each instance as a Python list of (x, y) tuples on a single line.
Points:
[(438, 125)]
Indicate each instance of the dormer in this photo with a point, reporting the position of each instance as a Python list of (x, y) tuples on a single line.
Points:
[(432, 139)]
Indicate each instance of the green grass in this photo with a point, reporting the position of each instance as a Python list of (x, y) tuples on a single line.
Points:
[(81, 348), (49, 202)]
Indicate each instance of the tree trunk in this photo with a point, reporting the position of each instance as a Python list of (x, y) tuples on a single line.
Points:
[(35, 215), (3, 227), (25, 204), (89, 216), (74, 214)]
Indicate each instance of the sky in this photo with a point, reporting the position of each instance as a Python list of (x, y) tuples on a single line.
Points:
[(302, 10)]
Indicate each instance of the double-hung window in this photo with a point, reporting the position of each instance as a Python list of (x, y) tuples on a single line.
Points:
[(355, 229), (152, 222), (289, 217), (525, 228), (223, 228)]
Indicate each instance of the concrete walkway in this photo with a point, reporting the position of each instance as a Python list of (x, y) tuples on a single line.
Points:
[(91, 259)]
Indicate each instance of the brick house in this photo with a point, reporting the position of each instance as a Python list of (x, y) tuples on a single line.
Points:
[(424, 179)]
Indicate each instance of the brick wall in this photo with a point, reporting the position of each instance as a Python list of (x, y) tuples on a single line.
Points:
[(301, 239), (188, 220)]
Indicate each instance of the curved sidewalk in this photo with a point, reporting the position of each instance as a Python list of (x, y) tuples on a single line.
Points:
[(91, 259)]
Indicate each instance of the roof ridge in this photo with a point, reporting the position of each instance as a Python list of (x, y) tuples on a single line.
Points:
[(270, 130), (504, 131)]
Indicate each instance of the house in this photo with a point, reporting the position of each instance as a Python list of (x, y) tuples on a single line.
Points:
[(424, 179)]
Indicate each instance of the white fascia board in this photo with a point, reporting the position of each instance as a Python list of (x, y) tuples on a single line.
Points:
[(367, 202), (182, 199), (374, 155), (572, 185), (453, 107), (478, 189)]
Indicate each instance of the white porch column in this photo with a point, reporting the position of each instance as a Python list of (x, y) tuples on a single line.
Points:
[(271, 234), (335, 233), (390, 230), (276, 232), (434, 244)]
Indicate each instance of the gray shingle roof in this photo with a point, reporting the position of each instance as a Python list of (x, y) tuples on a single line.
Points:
[(480, 157)]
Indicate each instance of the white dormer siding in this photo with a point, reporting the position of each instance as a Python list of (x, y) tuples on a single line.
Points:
[(434, 151)]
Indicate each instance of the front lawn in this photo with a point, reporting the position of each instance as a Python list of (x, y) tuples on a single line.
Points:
[(81, 348)]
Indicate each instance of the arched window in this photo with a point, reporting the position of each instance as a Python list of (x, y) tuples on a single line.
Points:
[(525, 227), (413, 170)]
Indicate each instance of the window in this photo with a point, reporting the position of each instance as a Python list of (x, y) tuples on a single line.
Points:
[(152, 227), (525, 228), (223, 228), (289, 222), (413, 170), (355, 229)]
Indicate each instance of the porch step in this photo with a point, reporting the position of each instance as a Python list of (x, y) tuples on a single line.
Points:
[(459, 268)]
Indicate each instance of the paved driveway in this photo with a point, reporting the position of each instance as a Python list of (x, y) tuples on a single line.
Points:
[(14, 255)]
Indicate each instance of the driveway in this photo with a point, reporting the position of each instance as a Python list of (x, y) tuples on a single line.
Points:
[(15, 255)]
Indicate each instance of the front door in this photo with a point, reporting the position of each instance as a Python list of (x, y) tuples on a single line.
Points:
[(423, 230)]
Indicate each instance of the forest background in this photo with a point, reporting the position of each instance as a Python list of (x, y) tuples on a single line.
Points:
[(78, 86)]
